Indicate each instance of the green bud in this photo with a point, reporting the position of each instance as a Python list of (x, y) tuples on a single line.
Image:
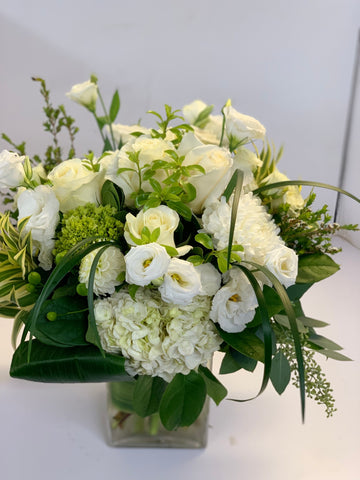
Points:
[(51, 316), (34, 278), (81, 289), (59, 257), (30, 288)]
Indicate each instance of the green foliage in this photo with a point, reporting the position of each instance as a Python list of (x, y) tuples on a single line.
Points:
[(316, 267), (269, 159), (147, 395), (309, 231), (59, 365), (182, 401), (316, 385), (203, 118), (88, 221), (163, 124)]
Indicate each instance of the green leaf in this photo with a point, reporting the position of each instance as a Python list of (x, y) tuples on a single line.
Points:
[(244, 342), (297, 290), (335, 355), (112, 195), (147, 395), (234, 361), (273, 304), (280, 372), (59, 365), (323, 342), (182, 401), (283, 320), (195, 260), (202, 119), (316, 267), (181, 209), (239, 175), (69, 328), (122, 394), (132, 291), (107, 145), (312, 322), (205, 240), (114, 107), (214, 388)]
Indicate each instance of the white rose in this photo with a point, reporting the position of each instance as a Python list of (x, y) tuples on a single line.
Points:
[(75, 185), (150, 149), (11, 169), (181, 283), (85, 94), (294, 198), (145, 263), (161, 217), (247, 161), (283, 263), (217, 163), (240, 126), (122, 133), (234, 305), (42, 206), (110, 265), (192, 110), (210, 279), (275, 177), (288, 194)]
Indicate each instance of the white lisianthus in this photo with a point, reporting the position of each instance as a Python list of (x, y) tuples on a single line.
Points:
[(85, 94), (247, 161), (283, 263), (192, 110), (145, 263), (161, 217), (156, 338), (11, 169), (110, 265), (181, 282), (217, 163), (211, 133), (75, 185), (123, 133), (233, 306), (210, 279), (239, 126), (42, 206)]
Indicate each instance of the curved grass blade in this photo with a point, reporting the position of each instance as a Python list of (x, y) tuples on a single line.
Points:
[(234, 185), (267, 330), (72, 258), (293, 327), (306, 183)]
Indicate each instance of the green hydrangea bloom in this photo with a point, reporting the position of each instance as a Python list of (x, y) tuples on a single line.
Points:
[(88, 221)]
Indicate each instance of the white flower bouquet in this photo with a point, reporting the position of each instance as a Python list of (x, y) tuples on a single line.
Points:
[(175, 242)]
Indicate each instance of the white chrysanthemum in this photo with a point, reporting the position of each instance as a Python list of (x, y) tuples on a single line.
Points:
[(156, 338), (234, 305), (181, 282), (110, 265), (254, 230)]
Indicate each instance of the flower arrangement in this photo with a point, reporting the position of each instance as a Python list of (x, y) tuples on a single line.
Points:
[(175, 242)]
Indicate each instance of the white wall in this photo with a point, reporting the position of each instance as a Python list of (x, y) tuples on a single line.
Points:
[(287, 63)]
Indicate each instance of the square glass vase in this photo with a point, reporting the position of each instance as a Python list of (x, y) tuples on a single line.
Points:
[(127, 429)]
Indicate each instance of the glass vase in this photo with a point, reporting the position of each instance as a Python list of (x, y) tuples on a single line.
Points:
[(126, 429)]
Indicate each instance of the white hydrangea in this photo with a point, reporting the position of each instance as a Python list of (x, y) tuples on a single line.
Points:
[(110, 265), (234, 305), (156, 338)]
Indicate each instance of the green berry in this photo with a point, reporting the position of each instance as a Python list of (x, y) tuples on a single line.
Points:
[(51, 316), (81, 290), (34, 278), (30, 288), (59, 257)]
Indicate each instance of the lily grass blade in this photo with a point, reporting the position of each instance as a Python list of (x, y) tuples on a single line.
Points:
[(306, 183), (267, 330), (293, 327)]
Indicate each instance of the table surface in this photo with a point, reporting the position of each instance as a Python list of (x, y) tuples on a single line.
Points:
[(58, 431)]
